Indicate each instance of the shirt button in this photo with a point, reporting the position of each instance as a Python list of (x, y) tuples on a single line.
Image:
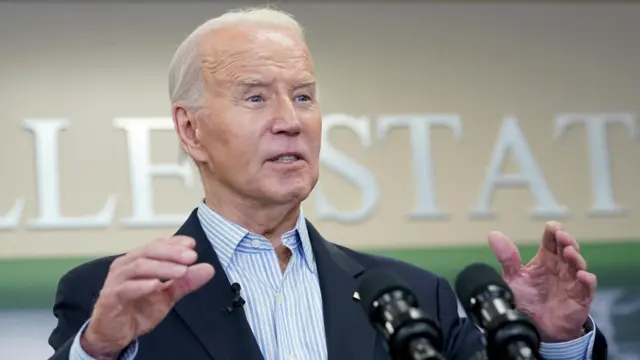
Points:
[(255, 243), (292, 357), (280, 300)]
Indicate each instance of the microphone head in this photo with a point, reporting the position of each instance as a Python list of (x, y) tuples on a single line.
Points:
[(393, 310), (490, 305), (376, 282), (475, 279), (235, 287)]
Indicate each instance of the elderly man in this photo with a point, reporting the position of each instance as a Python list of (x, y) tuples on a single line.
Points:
[(245, 107)]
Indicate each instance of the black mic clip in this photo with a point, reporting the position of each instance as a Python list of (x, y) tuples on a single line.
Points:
[(237, 301), (512, 335)]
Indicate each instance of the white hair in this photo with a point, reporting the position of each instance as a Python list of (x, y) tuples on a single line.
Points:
[(186, 82)]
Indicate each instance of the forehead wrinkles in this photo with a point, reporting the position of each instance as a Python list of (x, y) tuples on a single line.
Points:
[(220, 62), (226, 59)]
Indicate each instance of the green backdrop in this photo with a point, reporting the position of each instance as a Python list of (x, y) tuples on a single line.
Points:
[(31, 283)]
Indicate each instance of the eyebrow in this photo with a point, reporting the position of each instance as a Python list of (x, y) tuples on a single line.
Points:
[(257, 82), (307, 83), (251, 82)]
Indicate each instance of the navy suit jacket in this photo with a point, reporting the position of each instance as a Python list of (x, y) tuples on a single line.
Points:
[(197, 328)]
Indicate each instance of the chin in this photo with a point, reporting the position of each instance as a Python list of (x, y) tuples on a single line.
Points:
[(290, 192), (296, 195)]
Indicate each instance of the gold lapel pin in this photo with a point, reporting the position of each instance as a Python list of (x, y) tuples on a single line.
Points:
[(356, 295)]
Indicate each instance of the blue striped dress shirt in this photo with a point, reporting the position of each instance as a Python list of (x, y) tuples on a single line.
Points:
[(284, 310)]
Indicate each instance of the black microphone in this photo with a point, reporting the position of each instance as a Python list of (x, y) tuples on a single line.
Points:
[(490, 304), (392, 308), (237, 301)]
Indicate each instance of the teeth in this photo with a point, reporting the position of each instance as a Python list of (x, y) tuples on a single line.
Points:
[(287, 158)]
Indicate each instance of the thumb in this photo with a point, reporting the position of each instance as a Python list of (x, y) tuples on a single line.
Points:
[(195, 277), (506, 252)]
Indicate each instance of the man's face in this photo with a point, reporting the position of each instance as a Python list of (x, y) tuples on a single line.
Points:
[(261, 126)]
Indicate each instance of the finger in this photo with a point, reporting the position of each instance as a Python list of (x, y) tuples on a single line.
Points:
[(589, 280), (144, 268), (506, 252), (135, 289), (183, 240), (168, 252), (583, 289), (549, 241), (176, 249), (195, 277), (565, 239), (574, 260)]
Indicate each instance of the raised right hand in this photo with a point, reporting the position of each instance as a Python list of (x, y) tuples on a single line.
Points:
[(140, 289)]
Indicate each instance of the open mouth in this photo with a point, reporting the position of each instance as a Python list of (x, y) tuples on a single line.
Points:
[(286, 158)]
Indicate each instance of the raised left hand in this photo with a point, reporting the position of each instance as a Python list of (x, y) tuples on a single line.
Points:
[(554, 288)]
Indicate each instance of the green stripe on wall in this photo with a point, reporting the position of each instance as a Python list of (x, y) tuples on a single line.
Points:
[(31, 283)]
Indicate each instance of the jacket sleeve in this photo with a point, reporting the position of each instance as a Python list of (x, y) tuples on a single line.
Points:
[(600, 347), (462, 339), (72, 307)]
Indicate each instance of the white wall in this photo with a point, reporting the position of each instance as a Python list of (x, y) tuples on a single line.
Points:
[(24, 334)]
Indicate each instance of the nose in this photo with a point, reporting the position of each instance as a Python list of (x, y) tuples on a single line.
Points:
[(285, 118)]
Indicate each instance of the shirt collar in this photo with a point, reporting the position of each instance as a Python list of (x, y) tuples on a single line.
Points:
[(228, 238)]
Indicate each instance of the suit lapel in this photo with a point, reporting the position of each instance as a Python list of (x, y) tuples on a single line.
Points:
[(225, 336), (348, 331)]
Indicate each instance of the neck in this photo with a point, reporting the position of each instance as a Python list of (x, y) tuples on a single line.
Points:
[(270, 221)]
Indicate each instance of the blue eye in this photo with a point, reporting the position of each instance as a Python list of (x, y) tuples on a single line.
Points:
[(303, 98), (255, 99)]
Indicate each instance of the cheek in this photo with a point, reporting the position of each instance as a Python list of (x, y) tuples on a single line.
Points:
[(314, 132), (219, 143), (238, 148)]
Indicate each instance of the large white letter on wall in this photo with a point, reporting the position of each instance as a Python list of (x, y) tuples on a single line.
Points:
[(46, 133), (596, 128), (512, 141), (142, 171), (12, 218), (423, 168), (357, 174)]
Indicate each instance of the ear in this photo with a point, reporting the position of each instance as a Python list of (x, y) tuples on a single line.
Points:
[(184, 121)]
